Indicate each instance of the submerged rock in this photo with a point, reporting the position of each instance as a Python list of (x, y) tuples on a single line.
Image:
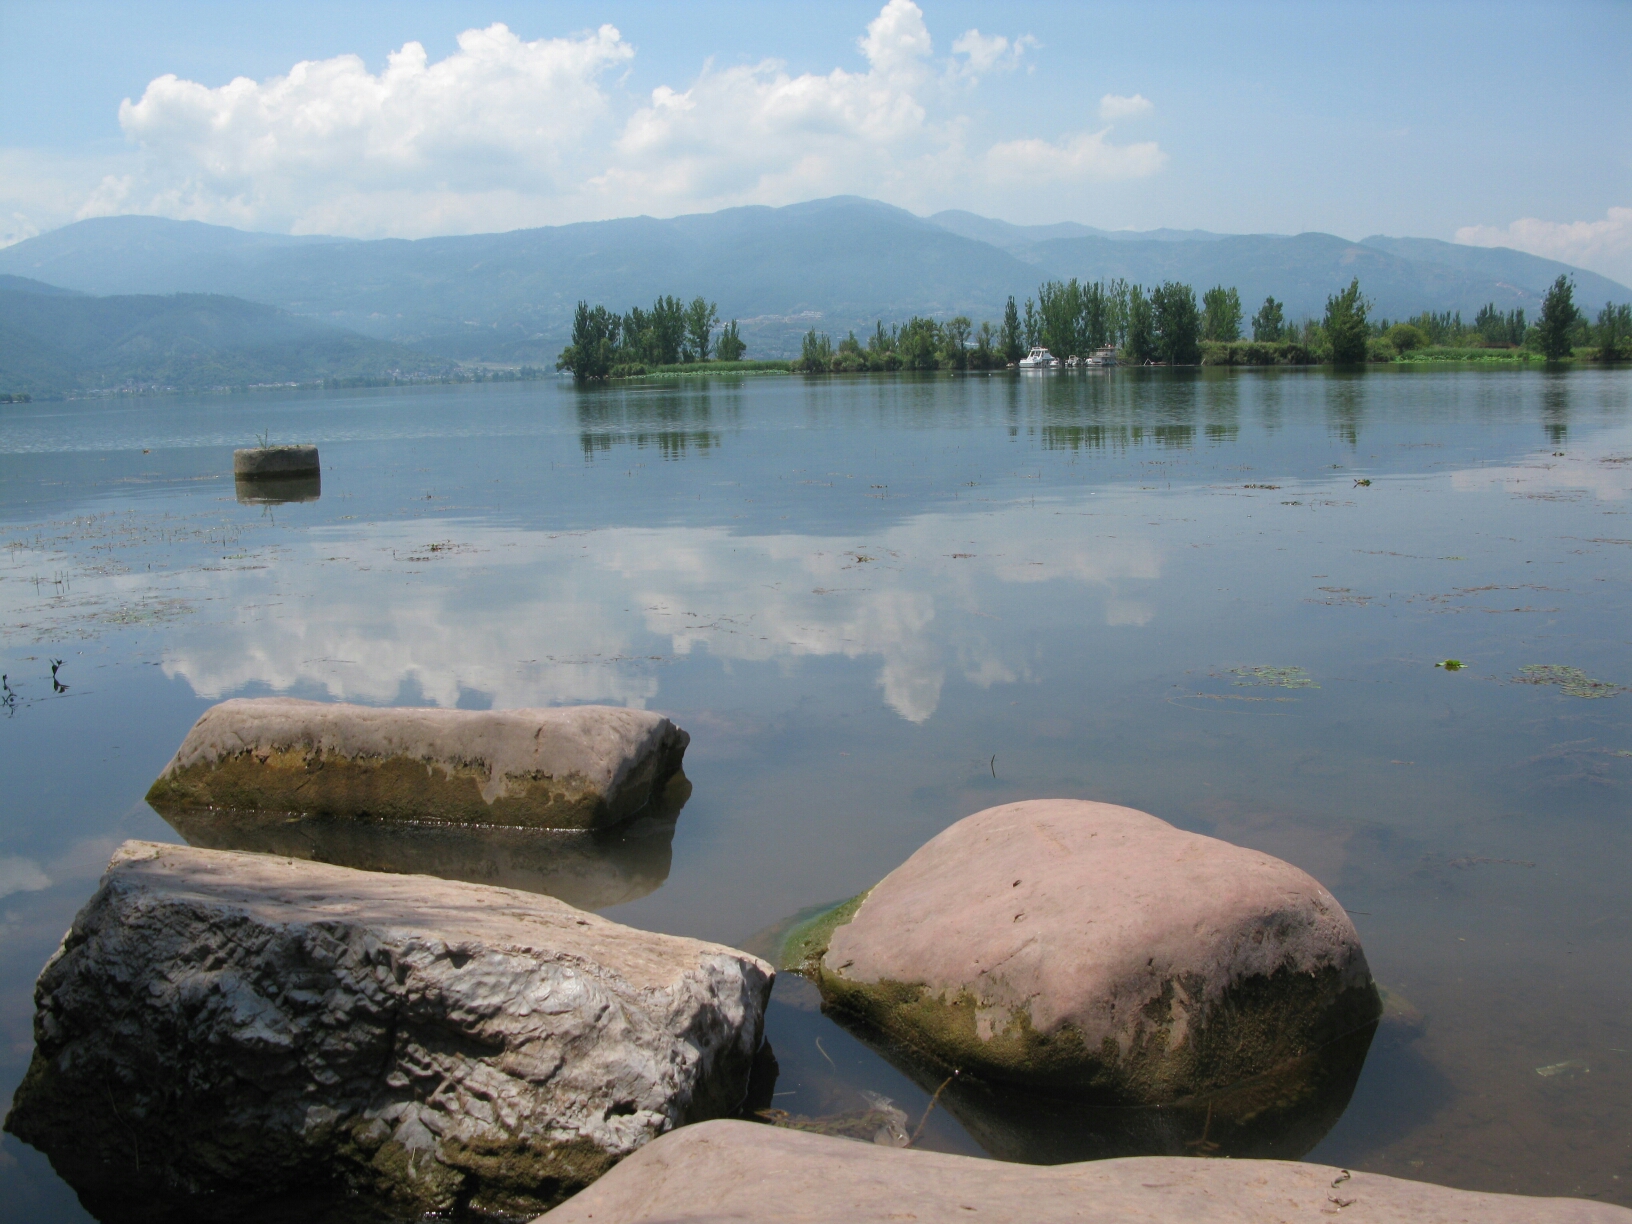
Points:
[(1084, 948), (741, 1171), (589, 868), (573, 767), (220, 1027)]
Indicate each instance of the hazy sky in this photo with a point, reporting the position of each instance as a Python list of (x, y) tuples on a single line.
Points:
[(1491, 123)]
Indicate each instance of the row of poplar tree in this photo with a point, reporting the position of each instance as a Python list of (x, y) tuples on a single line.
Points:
[(1069, 318), (1076, 318), (606, 344)]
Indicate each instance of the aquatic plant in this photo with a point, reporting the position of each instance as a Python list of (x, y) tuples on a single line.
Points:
[(1277, 677), (1571, 681)]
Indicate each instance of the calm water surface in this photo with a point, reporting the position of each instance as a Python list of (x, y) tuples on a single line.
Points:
[(879, 605)]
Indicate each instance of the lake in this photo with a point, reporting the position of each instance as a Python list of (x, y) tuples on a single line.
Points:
[(881, 604)]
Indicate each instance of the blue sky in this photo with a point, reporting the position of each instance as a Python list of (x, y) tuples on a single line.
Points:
[(1493, 123)]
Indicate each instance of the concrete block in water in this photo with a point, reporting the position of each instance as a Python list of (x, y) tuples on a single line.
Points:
[(571, 767), (264, 462)]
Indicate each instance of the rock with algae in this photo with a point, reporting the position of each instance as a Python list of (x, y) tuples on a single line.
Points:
[(218, 1028), (573, 767), (1075, 947)]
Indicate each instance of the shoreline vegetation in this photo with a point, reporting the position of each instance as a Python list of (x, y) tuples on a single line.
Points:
[(1165, 325), (1162, 326)]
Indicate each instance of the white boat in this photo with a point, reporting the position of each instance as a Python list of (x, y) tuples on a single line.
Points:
[(1038, 359), (1106, 356)]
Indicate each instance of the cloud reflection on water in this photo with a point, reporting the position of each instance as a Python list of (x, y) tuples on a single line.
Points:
[(526, 617)]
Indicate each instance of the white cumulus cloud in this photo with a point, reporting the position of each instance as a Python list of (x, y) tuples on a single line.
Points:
[(507, 132), (989, 52), (1604, 245), (1085, 155), (1115, 106)]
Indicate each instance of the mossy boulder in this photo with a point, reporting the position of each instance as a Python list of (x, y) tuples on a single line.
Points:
[(1072, 947), (572, 767)]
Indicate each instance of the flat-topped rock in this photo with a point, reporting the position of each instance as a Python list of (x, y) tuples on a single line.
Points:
[(1071, 947), (571, 767), (722, 1171), (274, 462), (219, 1027)]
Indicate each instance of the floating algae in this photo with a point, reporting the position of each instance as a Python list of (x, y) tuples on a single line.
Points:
[(881, 1122), (1571, 681), (1569, 1066), (1278, 677)]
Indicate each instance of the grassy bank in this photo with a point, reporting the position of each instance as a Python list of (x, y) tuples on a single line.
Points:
[(1437, 353), (693, 369)]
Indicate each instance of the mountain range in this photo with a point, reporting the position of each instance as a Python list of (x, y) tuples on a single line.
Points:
[(57, 341), (835, 265)]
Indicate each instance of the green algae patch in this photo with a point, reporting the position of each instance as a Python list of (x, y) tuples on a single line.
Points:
[(1273, 677), (308, 783), (796, 944)]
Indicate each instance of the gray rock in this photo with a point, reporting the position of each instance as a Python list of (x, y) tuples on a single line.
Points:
[(724, 1171), (573, 767), (1081, 947), (226, 1026), (262, 462)]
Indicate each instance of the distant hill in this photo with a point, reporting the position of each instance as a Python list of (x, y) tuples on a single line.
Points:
[(1529, 273), (833, 264), (56, 341), (1019, 238)]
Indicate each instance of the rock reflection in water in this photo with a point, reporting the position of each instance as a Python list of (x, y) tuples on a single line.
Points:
[(590, 870), (1277, 1116), (277, 490)]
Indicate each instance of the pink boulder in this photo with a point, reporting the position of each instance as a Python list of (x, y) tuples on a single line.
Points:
[(1063, 945)]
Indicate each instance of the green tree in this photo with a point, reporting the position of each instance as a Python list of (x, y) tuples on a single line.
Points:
[(1405, 337), (919, 343), (1058, 306), (1614, 332), (702, 317), (955, 336), (1094, 317), (668, 330), (1009, 339), (1558, 317), (1345, 325), (1498, 329), (1141, 337), (1178, 323), (594, 343), (1221, 310), (1116, 312), (985, 355), (815, 353), (730, 346), (1033, 326), (1269, 322)]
